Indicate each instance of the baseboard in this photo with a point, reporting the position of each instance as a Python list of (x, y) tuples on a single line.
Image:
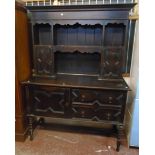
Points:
[(134, 147), (21, 137)]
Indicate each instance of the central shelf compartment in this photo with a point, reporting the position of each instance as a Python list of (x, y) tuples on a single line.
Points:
[(77, 63), (78, 34)]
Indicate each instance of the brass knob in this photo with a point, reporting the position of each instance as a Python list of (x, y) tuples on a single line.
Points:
[(110, 98), (83, 96), (82, 113)]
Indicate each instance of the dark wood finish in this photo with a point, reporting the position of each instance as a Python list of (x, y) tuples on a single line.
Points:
[(120, 134), (50, 101), (77, 63), (43, 60), (22, 67), (79, 56), (80, 81), (74, 48), (96, 105), (78, 34)]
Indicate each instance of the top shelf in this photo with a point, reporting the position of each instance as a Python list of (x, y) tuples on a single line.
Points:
[(77, 34)]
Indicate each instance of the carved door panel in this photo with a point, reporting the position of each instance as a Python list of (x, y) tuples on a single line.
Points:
[(114, 55), (50, 101), (43, 61), (113, 62)]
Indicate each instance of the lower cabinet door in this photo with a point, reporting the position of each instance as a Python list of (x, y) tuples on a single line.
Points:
[(50, 101)]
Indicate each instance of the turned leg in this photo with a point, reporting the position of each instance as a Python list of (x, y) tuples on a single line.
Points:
[(119, 134), (30, 118), (41, 121), (118, 144)]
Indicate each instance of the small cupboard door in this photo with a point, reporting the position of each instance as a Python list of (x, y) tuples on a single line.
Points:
[(114, 54), (43, 61), (112, 62), (49, 101)]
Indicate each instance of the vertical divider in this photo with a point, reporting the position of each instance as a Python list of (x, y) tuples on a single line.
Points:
[(53, 62), (52, 50), (67, 35), (77, 42), (102, 52), (125, 45), (94, 36), (85, 34)]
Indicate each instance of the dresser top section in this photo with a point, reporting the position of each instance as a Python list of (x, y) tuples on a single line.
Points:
[(72, 81), (83, 12), (97, 7)]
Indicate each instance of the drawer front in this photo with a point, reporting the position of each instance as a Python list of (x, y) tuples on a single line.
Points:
[(99, 97), (98, 105), (98, 114), (50, 101)]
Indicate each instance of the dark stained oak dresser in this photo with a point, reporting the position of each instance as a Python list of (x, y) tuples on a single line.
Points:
[(78, 56)]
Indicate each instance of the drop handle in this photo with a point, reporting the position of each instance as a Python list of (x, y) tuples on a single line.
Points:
[(83, 96), (110, 99), (83, 113), (67, 104)]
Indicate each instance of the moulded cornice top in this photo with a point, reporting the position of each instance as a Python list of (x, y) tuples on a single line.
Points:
[(99, 7)]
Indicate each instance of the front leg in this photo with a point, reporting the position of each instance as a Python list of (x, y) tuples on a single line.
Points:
[(30, 119), (119, 135)]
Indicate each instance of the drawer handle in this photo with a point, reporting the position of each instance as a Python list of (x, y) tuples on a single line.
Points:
[(82, 113), (108, 116), (83, 96), (67, 104), (110, 98)]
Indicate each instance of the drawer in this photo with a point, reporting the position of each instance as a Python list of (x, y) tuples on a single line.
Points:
[(50, 101), (99, 114), (99, 97)]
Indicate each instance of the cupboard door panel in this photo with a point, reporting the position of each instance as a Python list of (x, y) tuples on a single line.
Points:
[(113, 62), (50, 101), (43, 61)]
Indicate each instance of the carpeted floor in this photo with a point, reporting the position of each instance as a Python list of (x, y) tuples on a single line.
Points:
[(70, 142)]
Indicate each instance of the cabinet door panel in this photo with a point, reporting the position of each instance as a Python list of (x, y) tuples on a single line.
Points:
[(43, 61), (50, 101), (113, 62)]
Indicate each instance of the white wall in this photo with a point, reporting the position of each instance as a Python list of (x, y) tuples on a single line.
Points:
[(132, 82)]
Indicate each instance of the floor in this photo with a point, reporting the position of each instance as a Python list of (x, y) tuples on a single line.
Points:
[(66, 141)]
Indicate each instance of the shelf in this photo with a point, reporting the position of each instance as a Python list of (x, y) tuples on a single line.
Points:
[(73, 81), (73, 48), (82, 49)]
